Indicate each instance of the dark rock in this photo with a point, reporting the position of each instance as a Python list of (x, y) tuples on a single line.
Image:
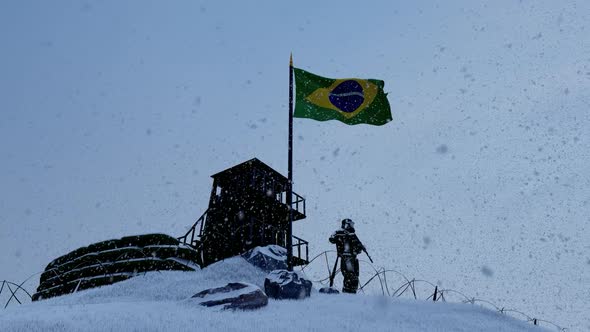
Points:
[(268, 258), (283, 284), (329, 290), (235, 295)]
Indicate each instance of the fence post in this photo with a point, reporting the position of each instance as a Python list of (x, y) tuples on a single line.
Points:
[(435, 291)]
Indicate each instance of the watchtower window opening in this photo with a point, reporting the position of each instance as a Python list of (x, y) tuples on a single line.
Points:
[(218, 191)]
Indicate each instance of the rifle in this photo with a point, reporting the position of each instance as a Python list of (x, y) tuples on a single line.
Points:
[(365, 250)]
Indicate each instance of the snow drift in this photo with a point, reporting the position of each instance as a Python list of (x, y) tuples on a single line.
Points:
[(161, 301)]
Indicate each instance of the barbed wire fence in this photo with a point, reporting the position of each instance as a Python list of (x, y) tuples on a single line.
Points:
[(13, 289), (408, 287), (419, 289)]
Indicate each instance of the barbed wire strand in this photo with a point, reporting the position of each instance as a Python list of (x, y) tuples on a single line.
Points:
[(411, 285)]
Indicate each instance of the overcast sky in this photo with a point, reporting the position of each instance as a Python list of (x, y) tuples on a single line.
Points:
[(114, 114)]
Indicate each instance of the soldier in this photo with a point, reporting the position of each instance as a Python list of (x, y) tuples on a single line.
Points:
[(348, 247)]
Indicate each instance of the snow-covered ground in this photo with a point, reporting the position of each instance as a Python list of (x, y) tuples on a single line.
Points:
[(114, 114), (160, 301)]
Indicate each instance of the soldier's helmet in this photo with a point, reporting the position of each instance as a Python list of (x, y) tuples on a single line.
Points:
[(347, 224)]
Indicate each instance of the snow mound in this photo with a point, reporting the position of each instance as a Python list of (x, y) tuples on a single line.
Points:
[(168, 285), (161, 301)]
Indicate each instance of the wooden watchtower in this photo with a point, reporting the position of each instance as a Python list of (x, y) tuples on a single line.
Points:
[(247, 208)]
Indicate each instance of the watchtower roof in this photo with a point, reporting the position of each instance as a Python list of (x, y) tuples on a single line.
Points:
[(247, 167)]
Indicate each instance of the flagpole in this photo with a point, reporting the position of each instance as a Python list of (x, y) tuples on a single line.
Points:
[(290, 172)]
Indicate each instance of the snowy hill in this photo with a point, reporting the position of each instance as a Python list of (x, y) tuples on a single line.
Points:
[(114, 114), (159, 301)]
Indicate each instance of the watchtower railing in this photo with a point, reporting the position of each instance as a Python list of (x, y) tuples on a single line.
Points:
[(199, 224), (301, 242), (297, 241), (297, 201)]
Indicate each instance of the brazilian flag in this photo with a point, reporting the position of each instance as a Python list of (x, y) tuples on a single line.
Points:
[(350, 100)]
